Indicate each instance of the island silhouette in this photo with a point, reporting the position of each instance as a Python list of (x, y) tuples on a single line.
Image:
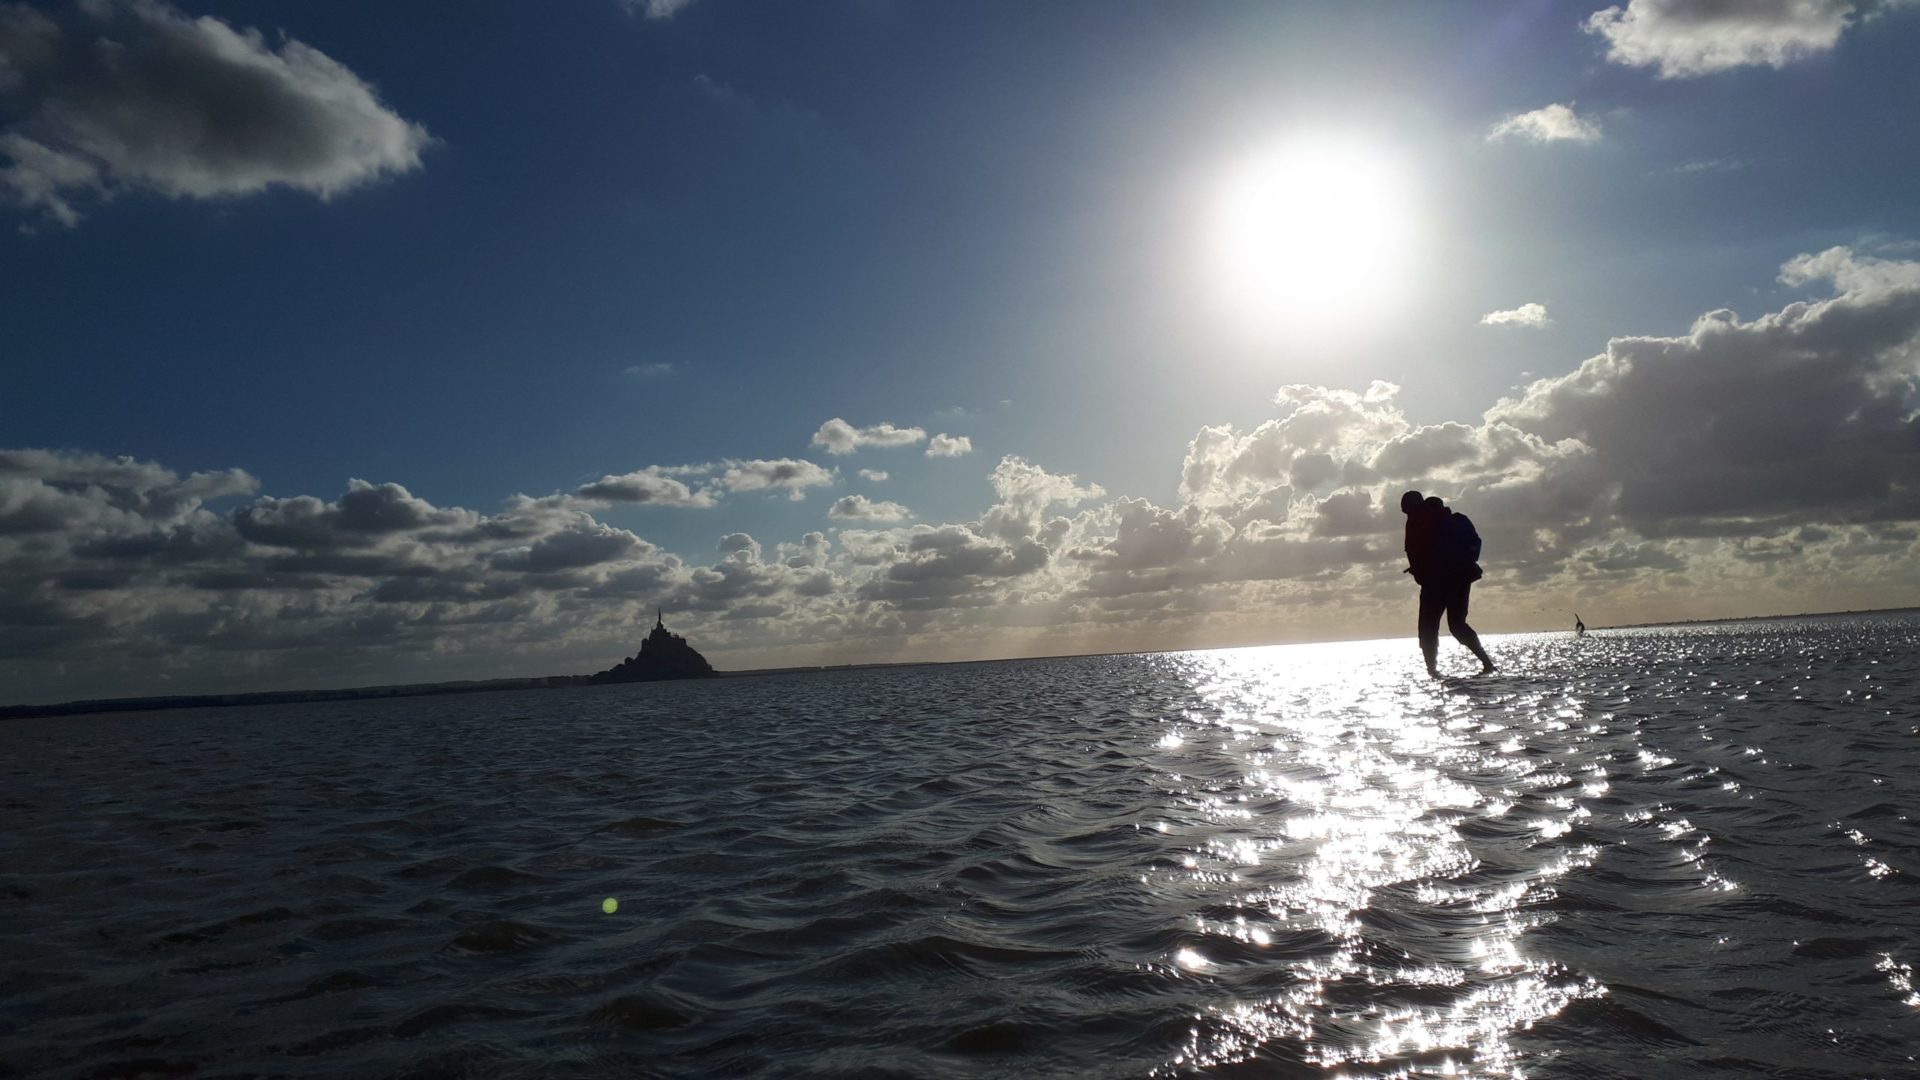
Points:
[(663, 655), (676, 644)]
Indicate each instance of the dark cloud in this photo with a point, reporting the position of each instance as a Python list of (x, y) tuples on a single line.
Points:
[(46, 491), (952, 562), (361, 517), (756, 611), (1807, 414), (136, 96), (585, 544), (649, 486), (1622, 557), (29, 45), (1347, 513)]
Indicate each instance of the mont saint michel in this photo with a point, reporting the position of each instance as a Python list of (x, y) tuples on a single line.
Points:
[(663, 655)]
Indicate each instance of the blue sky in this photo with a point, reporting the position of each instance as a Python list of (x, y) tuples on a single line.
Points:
[(512, 249)]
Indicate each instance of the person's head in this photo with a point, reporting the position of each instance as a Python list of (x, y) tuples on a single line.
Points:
[(1434, 505), (1410, 502)]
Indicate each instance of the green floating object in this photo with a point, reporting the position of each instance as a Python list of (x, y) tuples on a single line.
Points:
[(609, 905)]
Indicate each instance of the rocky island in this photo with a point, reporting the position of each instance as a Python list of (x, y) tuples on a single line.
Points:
[(663, 655)]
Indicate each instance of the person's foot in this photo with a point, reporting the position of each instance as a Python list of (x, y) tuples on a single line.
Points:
[(1433, 672), (1486, 665)]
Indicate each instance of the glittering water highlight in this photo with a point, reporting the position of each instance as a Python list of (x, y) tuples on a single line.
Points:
[(1660, 853)]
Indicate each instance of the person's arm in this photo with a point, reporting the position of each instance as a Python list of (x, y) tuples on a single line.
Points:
[(1416, 552)]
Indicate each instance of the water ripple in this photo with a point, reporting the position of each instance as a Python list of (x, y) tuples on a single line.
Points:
[(1660, 853)]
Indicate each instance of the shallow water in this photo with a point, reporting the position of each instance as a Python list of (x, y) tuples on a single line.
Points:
[(1685, 852)]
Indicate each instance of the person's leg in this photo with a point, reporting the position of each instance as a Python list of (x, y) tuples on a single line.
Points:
[(1457, 625), (1433, 601)]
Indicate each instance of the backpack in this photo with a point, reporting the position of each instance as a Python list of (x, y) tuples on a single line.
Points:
[(1460, 544)]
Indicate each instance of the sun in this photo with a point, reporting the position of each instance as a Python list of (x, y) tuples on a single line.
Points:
[(1311, 238)]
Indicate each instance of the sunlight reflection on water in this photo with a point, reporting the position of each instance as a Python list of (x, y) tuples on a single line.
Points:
[(1647, 854), (1402, 836)]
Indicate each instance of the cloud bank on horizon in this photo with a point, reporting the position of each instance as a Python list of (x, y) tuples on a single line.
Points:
[(1774, 456), (1769, 463)]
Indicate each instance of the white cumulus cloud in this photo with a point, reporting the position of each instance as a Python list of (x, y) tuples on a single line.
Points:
[(791, 475), (1529, 315), (944, 445), (1683, 38), (837, 436), (861, 508), (1549, 123)]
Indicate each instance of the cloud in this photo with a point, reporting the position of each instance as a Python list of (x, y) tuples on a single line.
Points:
[(129, 571), (1770, 459), (585, 543), (1550, 123), (1528, 315), (951, 566), (1807, 414), (655, 9), (660, 485), (1024, 493), (1684, 38), (873, 476), (944, 445), (184, 107), (785, 474), (50, 491), (650, 371), (649, 486), (29, 43), (861, 508), (839, 437), (359, 518), (1709, 165)]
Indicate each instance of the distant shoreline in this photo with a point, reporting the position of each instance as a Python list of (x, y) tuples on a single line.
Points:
[(1759, 618), (550, 682)]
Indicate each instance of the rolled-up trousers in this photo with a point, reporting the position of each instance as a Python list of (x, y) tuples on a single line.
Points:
[(1450, 598)]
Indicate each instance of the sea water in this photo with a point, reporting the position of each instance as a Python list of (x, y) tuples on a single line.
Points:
[(1671, 852)]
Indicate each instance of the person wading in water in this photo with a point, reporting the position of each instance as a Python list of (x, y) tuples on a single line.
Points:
[(1442, 555)]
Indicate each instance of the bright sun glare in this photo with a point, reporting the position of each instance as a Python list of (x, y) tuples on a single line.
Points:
[(1311, 238)]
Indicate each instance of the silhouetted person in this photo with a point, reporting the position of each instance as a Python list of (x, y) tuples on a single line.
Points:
[(1442, 555), (1579, 628)]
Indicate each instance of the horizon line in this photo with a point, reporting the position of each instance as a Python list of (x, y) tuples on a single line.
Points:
[(160, 702)]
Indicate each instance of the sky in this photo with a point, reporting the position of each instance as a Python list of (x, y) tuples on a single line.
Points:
[(362, 343)]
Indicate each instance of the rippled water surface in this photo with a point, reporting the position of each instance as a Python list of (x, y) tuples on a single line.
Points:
[(1685, 852)]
